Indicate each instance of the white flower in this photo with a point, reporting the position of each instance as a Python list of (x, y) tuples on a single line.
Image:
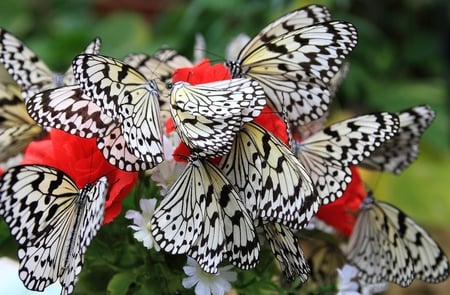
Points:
[(206, 283), (142, 223), (345, 284), (369, 289), (167, 172)]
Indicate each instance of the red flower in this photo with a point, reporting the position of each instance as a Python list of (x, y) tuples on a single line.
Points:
[(202, 72), (273, 123), (341, 214), (80, 159)]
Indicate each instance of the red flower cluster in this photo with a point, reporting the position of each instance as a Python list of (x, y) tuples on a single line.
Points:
[(340, 214), (82, 161)]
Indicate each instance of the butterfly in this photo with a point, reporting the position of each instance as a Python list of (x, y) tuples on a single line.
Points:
[(398, 153), (387, 245), (208, 116), (271, 181), (17, 129), (127, 96), (277, 191), (69, 109), (32, 74), (328, 154), (294, 58), (202, 215), (53, 222), (159, 67)]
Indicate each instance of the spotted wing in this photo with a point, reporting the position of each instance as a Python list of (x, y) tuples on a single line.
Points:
[(124, 93), (295, 68), (202, 215), (286, 248), (402, 150), (208, 116), (47, 224), (17, 129), (387, 245), (272, 183), (328, 154)]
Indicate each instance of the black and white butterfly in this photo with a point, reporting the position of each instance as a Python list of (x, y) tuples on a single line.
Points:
[(328, 154), (31, 73), (69, 109), (159, 67), (202, 215), (387, 245), (17, 129), (208, 116), (53, 222), (128, 97), (272, 182), (402, 150), (294, 58)]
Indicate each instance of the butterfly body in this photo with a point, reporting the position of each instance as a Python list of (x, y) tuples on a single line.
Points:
[(53, 222)]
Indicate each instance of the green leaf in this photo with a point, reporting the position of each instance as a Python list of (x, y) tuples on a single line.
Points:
[(120, 283)]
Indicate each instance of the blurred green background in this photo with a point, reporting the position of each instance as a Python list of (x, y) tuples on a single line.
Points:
[(402, 59)]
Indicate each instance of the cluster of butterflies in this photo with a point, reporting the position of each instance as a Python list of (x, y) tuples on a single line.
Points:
[(211, 212)]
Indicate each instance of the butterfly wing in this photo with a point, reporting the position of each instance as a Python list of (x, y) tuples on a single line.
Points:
[(40, 225), (202, 216), (178, 220), (159, 67), (272, 183), (91, 221), (68, 109), (17, 129), (289, 22), (398, 153), (328, 154), (24, 65), (286, 248), (295, 68), (125, 94), (387, 245), (92, 48), (207, 116)]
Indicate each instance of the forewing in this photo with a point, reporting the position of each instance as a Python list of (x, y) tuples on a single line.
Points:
[(24, 65), (37, 203), (328, 154), (92, 48), (208, 116), (69, 109), (125, 94), (289, 22), (286, 249), (272, 183), (402, 150)]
